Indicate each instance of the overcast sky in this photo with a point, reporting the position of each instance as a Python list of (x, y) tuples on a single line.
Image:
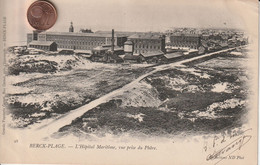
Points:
[(128, 15), (144, 15)]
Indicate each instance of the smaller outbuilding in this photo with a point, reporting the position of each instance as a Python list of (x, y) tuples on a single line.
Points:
[(172, 56), (44, 45), (66, 52), (153, 56)]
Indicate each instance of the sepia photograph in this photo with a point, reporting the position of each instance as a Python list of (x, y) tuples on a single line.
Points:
[(129, 82)]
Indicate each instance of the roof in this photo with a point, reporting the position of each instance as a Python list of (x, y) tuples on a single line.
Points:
[(85, 55), (173, 55), (43, 43), (107, 47), (192, 50), (128, 42), (83, 34), (100, 48), (126, 33), (131, 57), (145, 36), (152, 53), (82, 51), (186, 34)]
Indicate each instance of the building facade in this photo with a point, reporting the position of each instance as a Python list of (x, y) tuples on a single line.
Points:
[(147, 42), (184, 41), (73, 40)]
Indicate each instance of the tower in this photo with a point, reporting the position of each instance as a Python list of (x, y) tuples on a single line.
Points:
[(129, 47), (71, 29), (35, 34)]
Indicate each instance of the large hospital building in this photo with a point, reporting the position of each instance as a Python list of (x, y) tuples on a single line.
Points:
[(73, 40)]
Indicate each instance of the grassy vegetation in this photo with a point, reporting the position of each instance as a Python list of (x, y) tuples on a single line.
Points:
[(56, 94), (109, 118), (189, 103), (32, 66)]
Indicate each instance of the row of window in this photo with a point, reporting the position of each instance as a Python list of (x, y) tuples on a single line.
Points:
[(78, 42), (41, 37), (76, 47), (185, 46), (187, 37), (40, 47), (184, 39), (185, 43), (147, 41), (147, 47), (140, 51), (75, 38)]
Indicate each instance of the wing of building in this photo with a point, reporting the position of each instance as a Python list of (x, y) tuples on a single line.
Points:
[(147, 42), (44, 45), (180, 40), (81, 41)]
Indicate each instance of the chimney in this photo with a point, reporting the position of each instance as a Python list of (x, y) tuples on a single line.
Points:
[(35, 34), (112, 41)]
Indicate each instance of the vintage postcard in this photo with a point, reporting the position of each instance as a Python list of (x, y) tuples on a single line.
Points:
[(129, 82)]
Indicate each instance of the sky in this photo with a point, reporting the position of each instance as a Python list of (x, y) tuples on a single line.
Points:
[(145, 15), (128, 15)]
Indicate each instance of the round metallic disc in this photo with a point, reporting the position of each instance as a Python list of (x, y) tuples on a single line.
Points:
[(41, 15)]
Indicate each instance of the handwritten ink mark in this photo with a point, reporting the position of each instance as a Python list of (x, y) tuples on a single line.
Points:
[(230, 148)]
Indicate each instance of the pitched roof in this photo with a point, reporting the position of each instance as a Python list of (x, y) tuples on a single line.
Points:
[(128, 42), (152, 53), (107, 47), (82, 51), (84, 34), (173, 55), (186, 34), (100, 48), (131, 57), (122, 33), (145, 36), (43, 43)]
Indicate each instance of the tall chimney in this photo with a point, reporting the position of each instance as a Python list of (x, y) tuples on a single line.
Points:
[(35, 35), (112, 40)]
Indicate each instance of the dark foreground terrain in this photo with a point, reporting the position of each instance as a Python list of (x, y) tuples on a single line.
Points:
[(198, 97), (36, 93)]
